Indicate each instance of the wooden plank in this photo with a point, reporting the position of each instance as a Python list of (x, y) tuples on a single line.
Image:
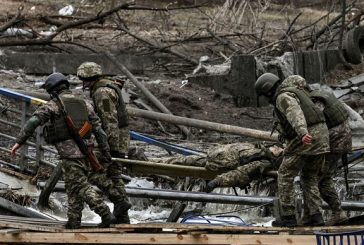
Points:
[(31, 227), (127, 238), (236, 229), (12, 230), (97, 230)]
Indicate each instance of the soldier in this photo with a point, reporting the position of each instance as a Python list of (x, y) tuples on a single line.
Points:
[(252, 168), (337, 122), (227, 157), (111, 109), (303, 126), (74, 164), (244, 162)]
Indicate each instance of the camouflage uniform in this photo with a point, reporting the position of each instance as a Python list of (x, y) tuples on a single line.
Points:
[(233, 157), (227, 157), (299, 157), (108, 103), (75, 167), (244, 175), (105, 102), (340, 143)]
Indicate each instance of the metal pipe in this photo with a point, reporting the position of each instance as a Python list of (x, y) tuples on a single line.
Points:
[(210, 197), (186, 195), (198, 196), (20, 210), (248, 132)]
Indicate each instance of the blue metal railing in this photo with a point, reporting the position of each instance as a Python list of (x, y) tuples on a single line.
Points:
[(343, 238)]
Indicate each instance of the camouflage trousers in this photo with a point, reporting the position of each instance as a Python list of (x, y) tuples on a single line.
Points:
[(79, 190), (327, 185), (309, 165), (243, 175), (110, 184), (197, 161), (124, 141)]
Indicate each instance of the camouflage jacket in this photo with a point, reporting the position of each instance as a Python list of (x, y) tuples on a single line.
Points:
[(67, 149), (106, 101), (289, 105), (229, 156)]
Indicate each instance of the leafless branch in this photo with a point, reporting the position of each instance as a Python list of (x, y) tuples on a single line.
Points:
[(160, 48), (15, 20)]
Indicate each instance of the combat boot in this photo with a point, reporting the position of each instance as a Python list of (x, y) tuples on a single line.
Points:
[(314, 220), (337, 217), (73, 224), (211, 185), (121, 212), (107, 220), (286, 221)]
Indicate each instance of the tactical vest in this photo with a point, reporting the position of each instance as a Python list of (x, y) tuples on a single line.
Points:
[(123, 118), (57, 130), (335, 112), (312, 114)]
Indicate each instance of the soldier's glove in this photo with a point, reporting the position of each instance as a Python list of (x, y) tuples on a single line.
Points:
[(105, 157), (117, 154), (211, 186)]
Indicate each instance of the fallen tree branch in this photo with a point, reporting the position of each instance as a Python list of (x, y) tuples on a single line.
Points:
[(314, 37), (224, 41), (161, 49), (67, 25), (15, 20)]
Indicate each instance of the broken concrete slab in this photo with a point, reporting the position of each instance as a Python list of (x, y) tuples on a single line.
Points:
[(357, 80), (239, 82), (342, 84), (341, 92)]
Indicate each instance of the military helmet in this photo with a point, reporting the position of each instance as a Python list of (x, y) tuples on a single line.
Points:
[(54, 80), (89, 69), (265, 83)]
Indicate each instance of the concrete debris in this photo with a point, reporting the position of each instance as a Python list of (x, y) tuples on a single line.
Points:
[(283, 64), (341, 92), (14, 32), (342, 84), (358, 80), (67, 10), (218, 69)]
